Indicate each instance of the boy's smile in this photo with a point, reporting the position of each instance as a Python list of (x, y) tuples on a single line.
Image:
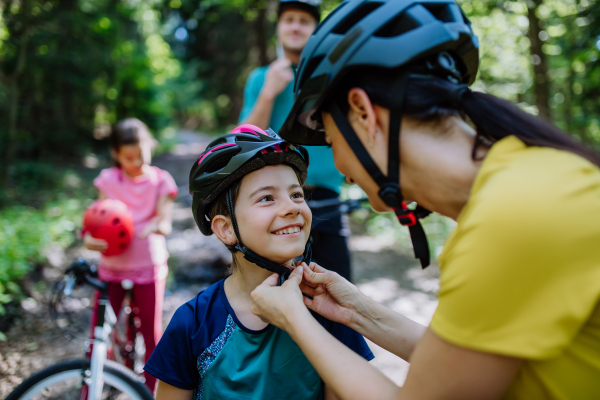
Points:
[(272, 215), (288, 230)]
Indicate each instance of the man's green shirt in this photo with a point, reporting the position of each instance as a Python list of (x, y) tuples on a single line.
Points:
[(321, 171)]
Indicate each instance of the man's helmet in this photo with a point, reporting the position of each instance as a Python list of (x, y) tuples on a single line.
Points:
[(310, 6), (425, 37)]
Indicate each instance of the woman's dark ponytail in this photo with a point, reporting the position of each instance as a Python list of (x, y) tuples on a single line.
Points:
[(430, 98)]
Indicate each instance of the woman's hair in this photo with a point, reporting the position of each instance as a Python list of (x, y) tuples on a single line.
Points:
[(130, 131), (429, 99)]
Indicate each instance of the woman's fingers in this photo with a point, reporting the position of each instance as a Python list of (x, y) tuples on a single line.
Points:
[(271, 280), (312, 275), (306, 289), (316, 267), (295, 277)]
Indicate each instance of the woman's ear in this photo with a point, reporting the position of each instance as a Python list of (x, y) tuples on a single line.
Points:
[(362, 115), (113, 154), (223, 228)]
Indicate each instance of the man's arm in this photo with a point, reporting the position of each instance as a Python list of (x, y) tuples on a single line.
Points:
[(278, 76)]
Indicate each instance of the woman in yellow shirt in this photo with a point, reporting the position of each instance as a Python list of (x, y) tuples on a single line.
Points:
[(386, 85)]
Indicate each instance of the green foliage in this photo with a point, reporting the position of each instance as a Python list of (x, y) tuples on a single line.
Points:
[(70, 69), (24, 235), (570, 33)]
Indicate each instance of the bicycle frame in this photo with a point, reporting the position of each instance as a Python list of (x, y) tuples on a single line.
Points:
[(106, 318)]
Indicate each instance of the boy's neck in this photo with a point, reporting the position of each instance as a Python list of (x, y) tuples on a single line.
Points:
[(245, 278)]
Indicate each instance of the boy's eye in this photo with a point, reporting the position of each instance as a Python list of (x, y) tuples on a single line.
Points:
[(266, 198), (298, 195)]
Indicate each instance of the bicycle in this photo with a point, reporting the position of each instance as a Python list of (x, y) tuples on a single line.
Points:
[(94, 377)]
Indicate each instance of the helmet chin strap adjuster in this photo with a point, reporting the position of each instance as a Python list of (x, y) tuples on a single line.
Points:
[(261, 261)]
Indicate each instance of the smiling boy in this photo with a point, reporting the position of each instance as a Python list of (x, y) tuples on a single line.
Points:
[(248, 185)]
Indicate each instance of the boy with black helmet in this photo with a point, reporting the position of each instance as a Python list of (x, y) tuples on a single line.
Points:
[(247, 189), (268, 98)]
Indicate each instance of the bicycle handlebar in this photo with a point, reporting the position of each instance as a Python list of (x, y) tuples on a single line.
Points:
[(84, 273)]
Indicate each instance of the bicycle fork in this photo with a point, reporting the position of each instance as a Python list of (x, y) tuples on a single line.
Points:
[(106, 317)]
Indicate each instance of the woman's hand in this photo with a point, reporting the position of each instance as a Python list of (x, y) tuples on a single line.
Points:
[(332, 296), (91, 243), (278, 305)]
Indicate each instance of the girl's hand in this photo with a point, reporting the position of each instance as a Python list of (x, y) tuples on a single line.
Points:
[(278, 305), (333, 297), (91, 243), (151, 227)]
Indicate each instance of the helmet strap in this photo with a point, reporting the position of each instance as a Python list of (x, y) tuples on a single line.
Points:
[(251, 256), (389, 186)]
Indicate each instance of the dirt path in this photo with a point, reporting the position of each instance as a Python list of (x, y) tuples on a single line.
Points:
[(382, 272)]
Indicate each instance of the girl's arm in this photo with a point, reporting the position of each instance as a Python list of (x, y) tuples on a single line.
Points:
[(168, 392), (162, 223), (439, 369), (90, 242)]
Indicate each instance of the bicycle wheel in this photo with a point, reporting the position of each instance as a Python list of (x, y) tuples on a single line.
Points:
[(65, 381)]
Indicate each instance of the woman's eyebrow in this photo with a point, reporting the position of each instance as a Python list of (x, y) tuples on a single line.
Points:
[(260, 189)]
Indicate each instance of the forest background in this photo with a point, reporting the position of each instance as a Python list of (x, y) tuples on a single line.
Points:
[(71, 68)]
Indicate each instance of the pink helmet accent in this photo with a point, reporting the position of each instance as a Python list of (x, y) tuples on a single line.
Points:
[(216, 148), (249, 128)]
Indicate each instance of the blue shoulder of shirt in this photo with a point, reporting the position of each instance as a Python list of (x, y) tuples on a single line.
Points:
[(193, 327), (197, 323)]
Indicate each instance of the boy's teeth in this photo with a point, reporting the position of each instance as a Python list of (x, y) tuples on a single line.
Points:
[(288, 230)]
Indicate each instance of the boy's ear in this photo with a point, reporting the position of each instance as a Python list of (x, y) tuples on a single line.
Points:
[(223, 228), (113, 154)]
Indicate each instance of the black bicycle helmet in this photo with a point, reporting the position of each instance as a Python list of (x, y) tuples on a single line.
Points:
[(310, 6), (424, 37), (229, 158)]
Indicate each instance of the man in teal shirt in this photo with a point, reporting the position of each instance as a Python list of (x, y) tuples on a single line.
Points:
[(268, 99)]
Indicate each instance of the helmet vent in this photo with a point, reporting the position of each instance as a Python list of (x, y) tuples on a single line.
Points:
[(245, 139), (397, 26), (331, 14), (441, 12), (219, 163), (311, 66), (355, 17)]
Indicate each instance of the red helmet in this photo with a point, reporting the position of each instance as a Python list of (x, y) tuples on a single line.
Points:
[(109, 220)]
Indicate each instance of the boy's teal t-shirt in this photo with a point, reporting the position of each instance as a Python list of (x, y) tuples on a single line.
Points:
[(321, 169), (206, 349)]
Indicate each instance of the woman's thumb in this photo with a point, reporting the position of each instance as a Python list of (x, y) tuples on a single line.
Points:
[(296, 275)]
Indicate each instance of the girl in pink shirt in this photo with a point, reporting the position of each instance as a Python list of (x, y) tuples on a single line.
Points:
[(148, 192)]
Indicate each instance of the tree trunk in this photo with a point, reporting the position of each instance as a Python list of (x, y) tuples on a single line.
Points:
[(261, 32), (541, 84), (13, 108)]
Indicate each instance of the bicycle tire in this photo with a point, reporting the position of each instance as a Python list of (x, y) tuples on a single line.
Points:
[(116, 376)]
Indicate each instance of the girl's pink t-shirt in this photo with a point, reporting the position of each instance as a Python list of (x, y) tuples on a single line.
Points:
[(145, 260)]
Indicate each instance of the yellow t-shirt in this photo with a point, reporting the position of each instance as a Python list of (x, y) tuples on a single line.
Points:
[(520, 275)]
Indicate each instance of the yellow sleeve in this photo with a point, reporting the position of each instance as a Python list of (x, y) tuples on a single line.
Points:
[(521, 274)]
